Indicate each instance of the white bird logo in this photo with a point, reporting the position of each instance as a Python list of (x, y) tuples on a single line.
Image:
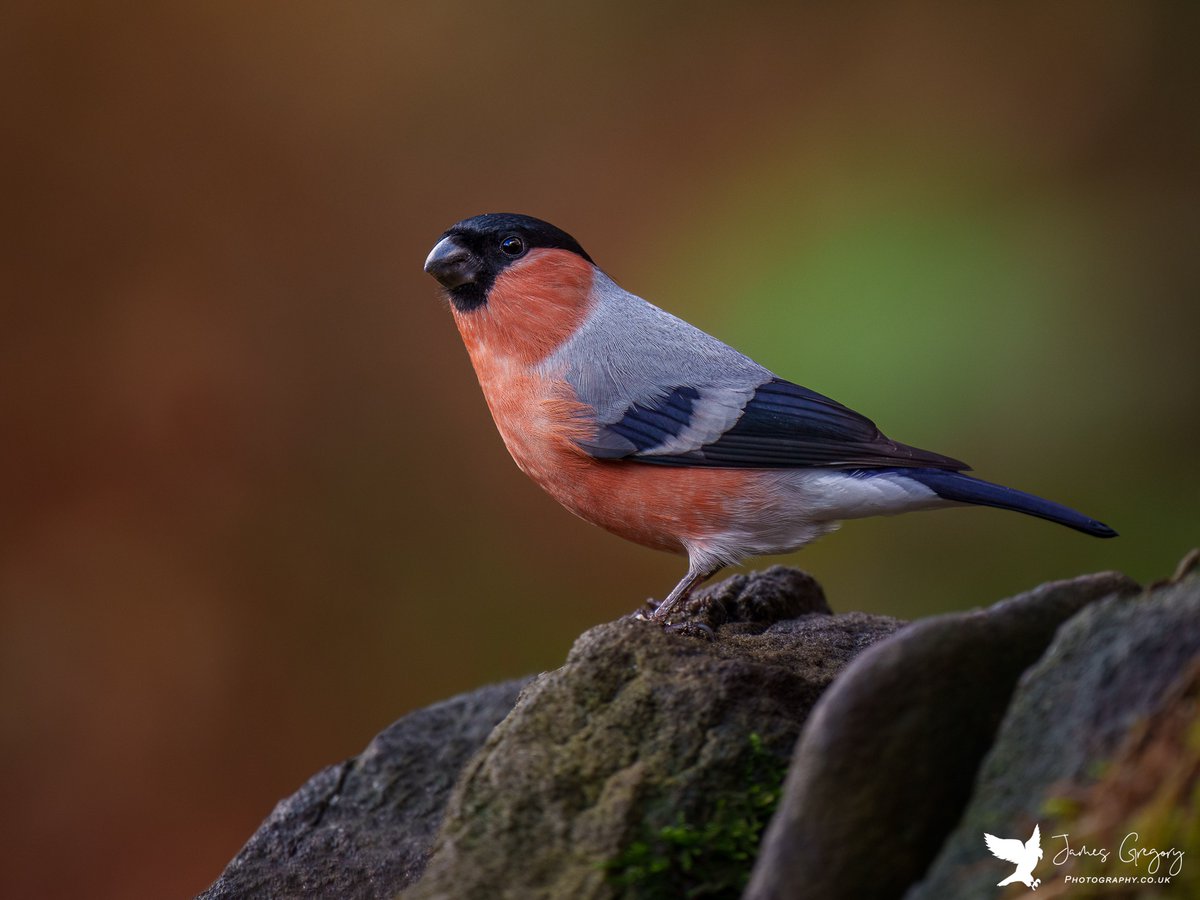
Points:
[(1024, 856)]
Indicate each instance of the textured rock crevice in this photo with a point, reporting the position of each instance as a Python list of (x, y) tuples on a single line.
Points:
[(889, 756), (1111, 669)]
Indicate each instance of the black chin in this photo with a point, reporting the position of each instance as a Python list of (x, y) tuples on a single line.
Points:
[(467, 297)]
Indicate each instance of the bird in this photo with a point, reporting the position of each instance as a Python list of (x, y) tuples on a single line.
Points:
[(1023, 855), (643, 424)]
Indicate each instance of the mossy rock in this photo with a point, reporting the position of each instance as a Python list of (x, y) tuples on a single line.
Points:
[(646, 766)]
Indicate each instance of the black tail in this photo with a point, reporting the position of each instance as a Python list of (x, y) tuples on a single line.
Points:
[(965, 489)]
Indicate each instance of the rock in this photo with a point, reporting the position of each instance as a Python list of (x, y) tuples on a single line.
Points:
[(887, 760), (648, 764), (1086, 716), (362, 829)]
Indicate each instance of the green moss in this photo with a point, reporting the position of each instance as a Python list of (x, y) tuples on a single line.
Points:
[(711, 859)]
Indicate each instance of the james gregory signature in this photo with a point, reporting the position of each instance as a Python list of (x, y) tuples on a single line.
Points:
[(1129, 852)]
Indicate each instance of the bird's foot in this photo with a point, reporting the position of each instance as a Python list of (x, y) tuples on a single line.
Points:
[(1035, 884), (648, 612), (691, 629)]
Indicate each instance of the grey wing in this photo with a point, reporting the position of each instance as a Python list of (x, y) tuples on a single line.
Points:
[(630, 356), (665, 393)]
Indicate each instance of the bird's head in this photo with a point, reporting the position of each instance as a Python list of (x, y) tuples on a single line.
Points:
[(517, 285), (473, 254)]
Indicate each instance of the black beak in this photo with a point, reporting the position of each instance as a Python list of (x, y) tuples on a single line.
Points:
[(451, 264)]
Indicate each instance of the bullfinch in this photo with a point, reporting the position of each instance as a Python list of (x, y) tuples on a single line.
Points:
[(642, 424)]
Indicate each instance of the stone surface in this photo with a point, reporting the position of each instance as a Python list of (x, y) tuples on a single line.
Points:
[(887, 760), (648, 765), (362, 829), (643, 730), (1112, 668)]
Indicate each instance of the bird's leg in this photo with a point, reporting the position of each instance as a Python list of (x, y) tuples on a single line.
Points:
[(695, 575)]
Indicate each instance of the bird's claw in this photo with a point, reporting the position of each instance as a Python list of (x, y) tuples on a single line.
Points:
[(685, 628), (1035, 884), (691, 629)]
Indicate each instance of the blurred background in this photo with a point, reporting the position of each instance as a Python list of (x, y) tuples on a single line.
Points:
[(254, 507)]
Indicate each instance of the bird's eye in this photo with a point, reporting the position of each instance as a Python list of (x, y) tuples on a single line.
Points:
[(512, 246)]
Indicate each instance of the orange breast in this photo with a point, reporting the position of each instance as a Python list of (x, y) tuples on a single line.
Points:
[(657, 506), (533, 307)]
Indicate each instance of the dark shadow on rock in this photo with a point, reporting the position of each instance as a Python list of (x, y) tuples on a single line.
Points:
[(886, 762), (362, 829), (639, 737)]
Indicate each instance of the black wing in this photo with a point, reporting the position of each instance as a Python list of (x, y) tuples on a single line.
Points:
[(782, 426)]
